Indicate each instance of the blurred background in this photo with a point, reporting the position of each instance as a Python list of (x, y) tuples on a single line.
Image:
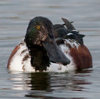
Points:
[(14, 18)]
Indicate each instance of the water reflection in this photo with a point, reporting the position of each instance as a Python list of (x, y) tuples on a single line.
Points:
[(51, 85), (39, 81)]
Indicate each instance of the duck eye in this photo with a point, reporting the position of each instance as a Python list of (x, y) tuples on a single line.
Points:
[(38, 27)]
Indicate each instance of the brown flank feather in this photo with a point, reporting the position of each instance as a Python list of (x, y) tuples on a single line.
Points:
[(12, 54), (82, 57)]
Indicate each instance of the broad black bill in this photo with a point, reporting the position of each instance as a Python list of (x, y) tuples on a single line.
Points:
[(55, 54)]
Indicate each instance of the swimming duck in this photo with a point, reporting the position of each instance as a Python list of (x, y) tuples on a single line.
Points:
[(71, 43), (48, 47), (38, 51)]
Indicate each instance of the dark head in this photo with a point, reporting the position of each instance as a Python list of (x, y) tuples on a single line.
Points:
[(39, 30), (40, 36)]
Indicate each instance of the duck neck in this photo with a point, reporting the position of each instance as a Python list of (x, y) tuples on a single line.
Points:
[(39, 58)]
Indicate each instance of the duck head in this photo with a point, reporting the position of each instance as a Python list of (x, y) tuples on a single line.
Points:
[(39, 36)]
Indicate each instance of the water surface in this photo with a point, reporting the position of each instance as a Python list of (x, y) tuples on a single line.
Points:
[(14, 18)]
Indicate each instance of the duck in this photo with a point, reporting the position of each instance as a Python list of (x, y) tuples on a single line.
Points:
[(38, 51), (71, 43), (50, 48)]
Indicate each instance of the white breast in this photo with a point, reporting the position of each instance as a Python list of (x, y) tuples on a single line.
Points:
[(19, 64)]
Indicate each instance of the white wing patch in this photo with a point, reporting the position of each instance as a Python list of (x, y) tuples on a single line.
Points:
[(73, 43)]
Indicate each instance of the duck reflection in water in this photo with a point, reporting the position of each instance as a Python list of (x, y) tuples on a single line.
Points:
[(48, 83), (39, 81)]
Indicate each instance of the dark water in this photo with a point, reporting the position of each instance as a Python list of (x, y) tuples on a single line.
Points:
[(14, 18)]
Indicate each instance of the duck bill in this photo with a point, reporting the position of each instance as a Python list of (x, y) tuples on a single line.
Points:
[(55, 54)]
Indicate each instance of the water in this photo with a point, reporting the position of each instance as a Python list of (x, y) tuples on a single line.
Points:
[(14, 18)]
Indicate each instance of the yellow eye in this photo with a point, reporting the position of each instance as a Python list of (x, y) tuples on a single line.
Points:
[(38, 27)]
